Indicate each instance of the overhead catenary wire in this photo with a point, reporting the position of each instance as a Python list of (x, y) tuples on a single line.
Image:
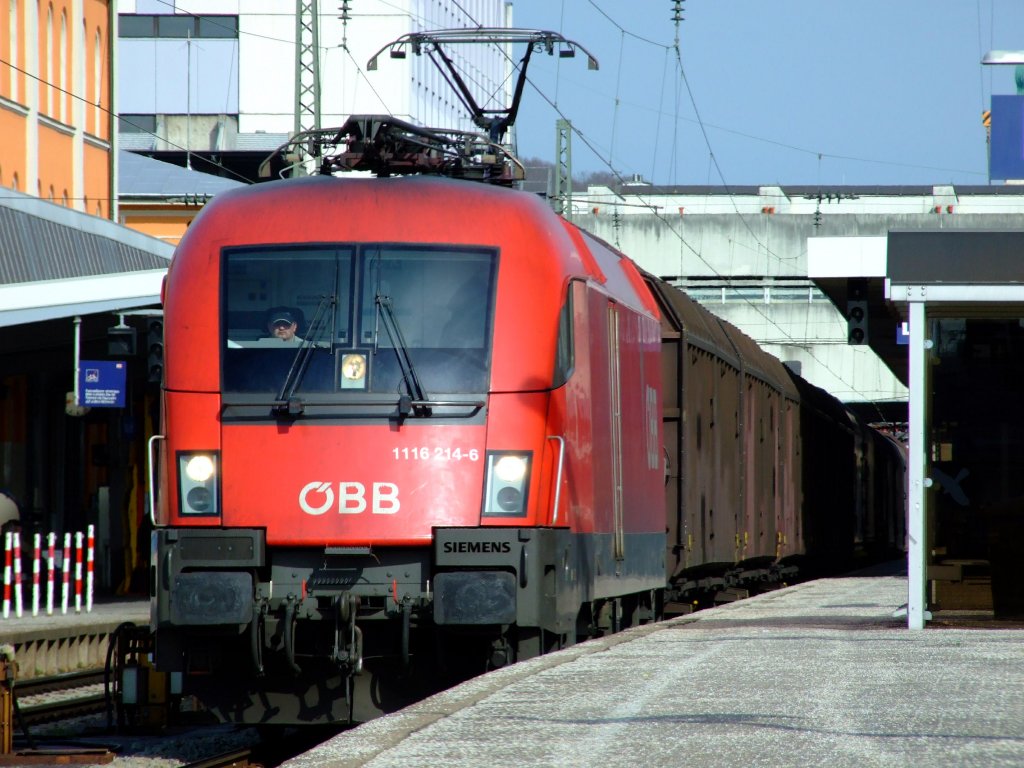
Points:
[(579, 133), (561, 31), (618, 85), (186, 149), (657, 125), (114, 115), (814, 152), (667, 47)]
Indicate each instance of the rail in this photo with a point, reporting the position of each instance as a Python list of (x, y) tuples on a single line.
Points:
[(60, 697), (238, 758)]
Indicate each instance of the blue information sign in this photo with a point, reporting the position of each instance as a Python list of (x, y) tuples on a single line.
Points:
[(903, 334), (1006, 157), (101, 383)]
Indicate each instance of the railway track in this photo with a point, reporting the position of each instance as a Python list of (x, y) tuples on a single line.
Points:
[(74, 704), (61, 697), (71, 703), (238, 758)]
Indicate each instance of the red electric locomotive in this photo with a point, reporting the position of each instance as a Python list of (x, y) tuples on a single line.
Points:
[(420, 427), (412, 424)]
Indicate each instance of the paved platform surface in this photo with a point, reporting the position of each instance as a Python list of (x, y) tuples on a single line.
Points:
[(105, 616), (816, 674)]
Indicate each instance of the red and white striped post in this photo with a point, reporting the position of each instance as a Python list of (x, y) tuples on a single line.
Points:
[(8, 555), (37, 545), (17, 574), (66, 573), (90, 563), (51, 541), (78, 571)]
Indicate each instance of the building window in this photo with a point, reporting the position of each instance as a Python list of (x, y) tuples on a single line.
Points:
[(129, 25), (177, 26), (49, 62), (137, 124), (14, 49), (63, 57), (217, 26), (97, 83), (80, 70)]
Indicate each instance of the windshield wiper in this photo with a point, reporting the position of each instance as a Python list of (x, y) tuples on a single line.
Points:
[(286, 400), (414, 402)]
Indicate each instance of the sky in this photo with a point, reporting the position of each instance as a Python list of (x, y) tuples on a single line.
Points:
[(793, 92)]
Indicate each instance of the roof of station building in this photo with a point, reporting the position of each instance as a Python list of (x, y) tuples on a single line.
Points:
[(58, 262)]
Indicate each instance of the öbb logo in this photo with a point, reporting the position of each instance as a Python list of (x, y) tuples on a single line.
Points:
[(318, 497)]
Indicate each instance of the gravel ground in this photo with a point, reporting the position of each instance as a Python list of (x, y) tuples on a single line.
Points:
[(168, 750)]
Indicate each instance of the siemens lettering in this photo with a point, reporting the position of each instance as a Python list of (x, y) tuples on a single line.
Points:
[(476, 547)]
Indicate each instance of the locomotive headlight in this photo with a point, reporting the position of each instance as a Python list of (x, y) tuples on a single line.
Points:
[(505, 484), (198, 481), (510, 468), (199, 468)]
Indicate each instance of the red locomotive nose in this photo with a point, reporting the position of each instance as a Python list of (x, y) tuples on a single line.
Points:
[(380, 486)]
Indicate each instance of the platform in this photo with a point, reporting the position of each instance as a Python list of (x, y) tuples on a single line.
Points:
[(51, 645), (814, 674)]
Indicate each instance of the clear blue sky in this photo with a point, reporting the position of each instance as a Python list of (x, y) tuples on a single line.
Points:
[(885, 91)]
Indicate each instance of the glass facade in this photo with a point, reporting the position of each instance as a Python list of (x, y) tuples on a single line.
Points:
[(176, 26)]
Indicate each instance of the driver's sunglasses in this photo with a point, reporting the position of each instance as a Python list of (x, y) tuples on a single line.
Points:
[(282, 324)]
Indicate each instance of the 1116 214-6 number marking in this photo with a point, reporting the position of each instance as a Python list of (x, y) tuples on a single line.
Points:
[(437, 454)]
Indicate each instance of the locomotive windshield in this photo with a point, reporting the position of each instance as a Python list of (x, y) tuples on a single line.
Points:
[(378, 319)]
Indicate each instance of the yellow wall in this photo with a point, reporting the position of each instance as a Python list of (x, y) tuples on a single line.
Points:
[(55, 148), (40, 140), (17, 93), (97, 122), (161, 222), (97, 181), (57, 58), (12, 88), (12, 149)]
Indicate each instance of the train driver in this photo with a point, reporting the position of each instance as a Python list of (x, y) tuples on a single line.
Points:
[(282, 324)]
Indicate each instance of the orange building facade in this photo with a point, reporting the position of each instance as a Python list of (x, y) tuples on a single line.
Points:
[(56, 102), (165, 221)]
